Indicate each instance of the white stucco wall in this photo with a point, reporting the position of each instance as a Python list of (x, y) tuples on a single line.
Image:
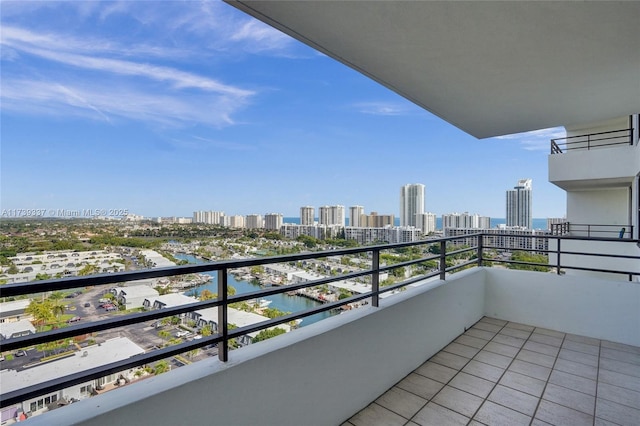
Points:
[(581, 305)]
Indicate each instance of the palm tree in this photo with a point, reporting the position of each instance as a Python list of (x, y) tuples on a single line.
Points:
[(41, 311), (57, 307)]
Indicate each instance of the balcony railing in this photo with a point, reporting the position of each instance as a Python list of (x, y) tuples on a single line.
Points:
[(592, 141), (447, 248), (592, 230)]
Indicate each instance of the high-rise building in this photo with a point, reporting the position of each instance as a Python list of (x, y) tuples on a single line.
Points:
[(355, 213), (273, 221), (465, 220), (208, 217), (375, 220), (254, 221), (331, 215), (426, 222), (411, 204), (519, 205), (307, 215)]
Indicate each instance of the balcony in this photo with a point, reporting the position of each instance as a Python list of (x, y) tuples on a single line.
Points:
[(594, 161), (327, 372)]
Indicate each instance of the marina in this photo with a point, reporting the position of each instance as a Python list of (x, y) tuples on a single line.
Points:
[(282, 302)]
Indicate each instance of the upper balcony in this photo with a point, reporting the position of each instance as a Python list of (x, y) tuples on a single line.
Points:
[(328, 371), (594, 161)]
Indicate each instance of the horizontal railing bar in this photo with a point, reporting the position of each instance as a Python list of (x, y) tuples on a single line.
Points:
[(593, 134), (29, 392), (106, 324)]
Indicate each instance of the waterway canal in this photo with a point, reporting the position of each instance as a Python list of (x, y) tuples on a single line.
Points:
[(279, 301)]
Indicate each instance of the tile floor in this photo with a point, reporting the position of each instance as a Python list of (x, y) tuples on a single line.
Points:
[(504, 373)]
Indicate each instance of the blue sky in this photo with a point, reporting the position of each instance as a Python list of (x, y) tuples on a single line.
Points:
[(164, 108)]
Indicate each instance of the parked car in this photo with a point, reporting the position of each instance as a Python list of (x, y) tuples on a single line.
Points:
[(87, 305), (74, 319), (21, 353), (111, 308), (182, 333)]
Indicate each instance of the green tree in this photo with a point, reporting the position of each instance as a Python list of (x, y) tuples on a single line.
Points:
[(268, 334), (41, 311)]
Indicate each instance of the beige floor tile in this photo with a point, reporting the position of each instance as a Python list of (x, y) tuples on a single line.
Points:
[(531, 370), (581, 347), (501, 349), (422, 386), (434, 414), (437, 372), (619, 379), (496, 415), (621, 347), (472, 384), (514, 332), (617, 413), (458, 401), (462, 350), (450, 360), (493, 321), (474, 342), (522, 383), (482, 370), (487, 326), (569, 398), (582, 339), (508, 340), (494, 359), (481, 334), (547, 340), (571, 381), (516, 400), (620, 367), (576, 368), (556, 414), (374, 414), (580, 357), (548, 332), (619, 355), (541, 348), (519, 326), (619, 395), (536, 358), (401, 402)]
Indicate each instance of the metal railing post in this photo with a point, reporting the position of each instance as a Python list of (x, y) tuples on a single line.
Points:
[(480, 249), (223, 323), (375, 278), (443, 259), (558, 257)]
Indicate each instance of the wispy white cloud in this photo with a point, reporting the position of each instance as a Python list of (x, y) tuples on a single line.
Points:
[(536, 140), (381, 108), (87, 101), (260, 37)]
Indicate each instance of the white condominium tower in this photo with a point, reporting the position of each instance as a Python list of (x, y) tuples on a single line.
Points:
[(426, 222), (307, 215), (273, 221), (355, 215), (519, 205), (331, 215), (411, 204)]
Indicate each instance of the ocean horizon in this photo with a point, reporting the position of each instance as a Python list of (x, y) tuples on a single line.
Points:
[(538, 223)]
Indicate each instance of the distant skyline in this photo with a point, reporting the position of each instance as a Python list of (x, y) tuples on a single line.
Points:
[(189, 106)]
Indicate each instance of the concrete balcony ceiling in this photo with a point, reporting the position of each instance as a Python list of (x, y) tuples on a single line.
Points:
[(489, 68)]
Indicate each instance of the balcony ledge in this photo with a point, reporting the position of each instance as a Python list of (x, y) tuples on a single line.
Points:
[(326, 372)]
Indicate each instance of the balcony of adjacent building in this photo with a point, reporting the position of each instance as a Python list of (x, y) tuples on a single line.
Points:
[(592, 161), (471, 342)]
